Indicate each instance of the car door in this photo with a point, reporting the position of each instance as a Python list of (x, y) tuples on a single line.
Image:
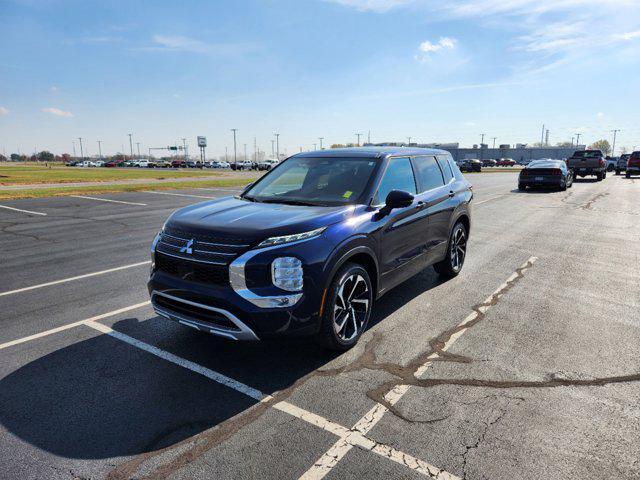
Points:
[(401, 235), (435, 185)]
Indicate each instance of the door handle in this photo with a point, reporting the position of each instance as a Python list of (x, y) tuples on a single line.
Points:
[(420, 205), (451, 194)]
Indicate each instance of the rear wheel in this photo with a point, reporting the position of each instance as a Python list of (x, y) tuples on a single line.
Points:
[(521, 187), (617, 171), (456, 253), (599, 177), (627, 174), (347, 308)]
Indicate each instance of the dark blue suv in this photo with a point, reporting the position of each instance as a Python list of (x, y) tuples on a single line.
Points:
[(309, 247)]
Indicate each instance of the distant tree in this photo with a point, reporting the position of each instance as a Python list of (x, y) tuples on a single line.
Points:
[(3, 158), (23, 158), (337, 145), (564, 144), (602, 145), (46, 156), (15, 157)]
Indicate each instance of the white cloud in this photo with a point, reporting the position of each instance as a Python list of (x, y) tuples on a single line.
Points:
[(4, 111), (630, 35), (444, 42), (53, 88), (179, 43), (600, 114), (379, 6), (57, 112)]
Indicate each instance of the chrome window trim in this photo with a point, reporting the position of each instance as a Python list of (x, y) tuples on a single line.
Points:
[(237, 279), (243, 332)]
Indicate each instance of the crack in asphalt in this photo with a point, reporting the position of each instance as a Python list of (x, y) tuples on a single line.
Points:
[(594, 199), (403, 375)]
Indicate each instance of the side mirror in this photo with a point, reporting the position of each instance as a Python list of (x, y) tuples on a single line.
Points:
[(398, 199)]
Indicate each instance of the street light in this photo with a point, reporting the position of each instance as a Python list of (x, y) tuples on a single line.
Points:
[(235, 153), (409, 141), (277, 146), (358, 135), (81, 151), (100, 148), (131, 143), (321, 139), (613, 149)]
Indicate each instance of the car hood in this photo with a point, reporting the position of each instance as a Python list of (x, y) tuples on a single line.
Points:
[(253, 221)]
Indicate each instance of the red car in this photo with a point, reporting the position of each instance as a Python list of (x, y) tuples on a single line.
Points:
[(178, 164), (505, 162)]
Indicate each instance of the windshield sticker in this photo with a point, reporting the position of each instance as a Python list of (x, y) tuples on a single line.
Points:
[(347, 194)]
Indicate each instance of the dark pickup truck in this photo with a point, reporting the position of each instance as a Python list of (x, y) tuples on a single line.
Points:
[(588, 162)]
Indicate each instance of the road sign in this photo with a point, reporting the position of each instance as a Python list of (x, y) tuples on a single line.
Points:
[(172, 148), (202, 141)]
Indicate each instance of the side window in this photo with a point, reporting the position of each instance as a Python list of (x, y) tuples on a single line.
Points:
[(397, 176), (445, 167), (454, 168), (428, 173)]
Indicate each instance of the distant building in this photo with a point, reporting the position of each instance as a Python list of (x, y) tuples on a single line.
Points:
[(519, 152)]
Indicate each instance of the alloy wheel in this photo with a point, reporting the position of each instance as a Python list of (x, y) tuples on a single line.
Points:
[(458, 249), (351, 307)]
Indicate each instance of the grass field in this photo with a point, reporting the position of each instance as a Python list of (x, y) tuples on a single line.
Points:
[(62, 191), (27, 175)]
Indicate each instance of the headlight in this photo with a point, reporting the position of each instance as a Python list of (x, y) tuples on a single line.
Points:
[(292, 238), (286, 273), (153, 250)]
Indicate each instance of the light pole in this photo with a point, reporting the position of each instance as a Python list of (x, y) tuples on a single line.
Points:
[(100, 148), (184, 148), (358, 135), (235, 153), (138, 145), (482, 146), (494, 141), (277, 146), (578, 139), (81, 151), (131, 144), (613, 149), (245, 152), (321, 139), (315, 147), (74, 150), (255, 150), (408, 141)]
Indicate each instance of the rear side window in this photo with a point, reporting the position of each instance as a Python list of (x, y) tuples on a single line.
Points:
[(454, 168), (428, 173), (397, 176), (445, 167)]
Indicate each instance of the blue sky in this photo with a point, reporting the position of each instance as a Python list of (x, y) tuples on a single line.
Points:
[(435, 70)]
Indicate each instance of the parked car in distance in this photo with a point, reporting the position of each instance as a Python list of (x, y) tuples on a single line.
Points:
[(633, 165), (309, 247), (588, 162), (143, 163), (194, 164), (242, 165), (621, 166), (489, 162), (505, 162), (86, 163), (222, 164), (178, 164), (471, 165), (268, 164), (611, 163), (162, 163), (111, 164), (545, 173)]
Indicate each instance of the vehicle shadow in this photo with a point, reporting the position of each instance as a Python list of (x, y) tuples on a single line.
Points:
[(585, 180), (103, 398)]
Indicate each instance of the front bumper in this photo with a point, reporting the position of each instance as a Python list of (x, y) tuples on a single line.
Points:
[(240, 309)]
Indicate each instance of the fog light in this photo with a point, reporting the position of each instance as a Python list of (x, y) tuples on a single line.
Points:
[(286, 273)]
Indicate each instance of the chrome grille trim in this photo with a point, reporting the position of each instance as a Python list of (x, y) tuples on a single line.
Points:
[(237, 245), (243, 332)]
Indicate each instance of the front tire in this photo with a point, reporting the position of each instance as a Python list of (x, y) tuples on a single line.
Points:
[(347, 308), (456, 253)]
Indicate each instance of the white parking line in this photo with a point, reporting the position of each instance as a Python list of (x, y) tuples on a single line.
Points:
[(357, 439), (108, 200), (71, 279), (23, 211), (71, 325), (339, 449), (177, 194), (189, 365)]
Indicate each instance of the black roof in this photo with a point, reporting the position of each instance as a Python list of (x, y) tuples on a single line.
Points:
[(370, 152)]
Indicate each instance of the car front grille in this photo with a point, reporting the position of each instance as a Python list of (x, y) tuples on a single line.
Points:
[(210, 274), (190, 311)]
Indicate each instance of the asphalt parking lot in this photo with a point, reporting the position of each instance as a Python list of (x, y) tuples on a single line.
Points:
[(524, 366)]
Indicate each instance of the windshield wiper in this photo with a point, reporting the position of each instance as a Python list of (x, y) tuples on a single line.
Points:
[(250, 198), (289, 202)]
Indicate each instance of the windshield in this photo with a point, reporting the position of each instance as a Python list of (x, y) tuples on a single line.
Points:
[(314, 181)]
